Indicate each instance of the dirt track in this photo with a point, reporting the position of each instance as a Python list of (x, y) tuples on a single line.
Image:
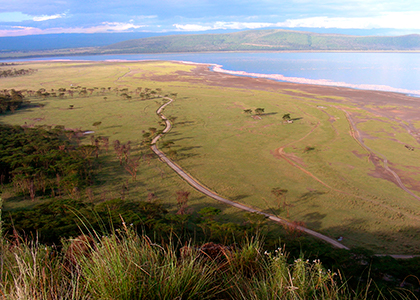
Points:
[(201, 188), (400, 108), (372, 101)]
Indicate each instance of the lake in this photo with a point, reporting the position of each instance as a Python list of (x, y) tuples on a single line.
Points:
[(396, 72)]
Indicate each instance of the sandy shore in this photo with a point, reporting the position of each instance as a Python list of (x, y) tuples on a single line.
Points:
[(323, 82)]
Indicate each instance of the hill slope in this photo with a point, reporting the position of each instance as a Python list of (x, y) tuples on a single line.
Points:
[(268, 40), (251, 40)]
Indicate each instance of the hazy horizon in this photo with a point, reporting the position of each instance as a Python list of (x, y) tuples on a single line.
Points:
[(24, 17)]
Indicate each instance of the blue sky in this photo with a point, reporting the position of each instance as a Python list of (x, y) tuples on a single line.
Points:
[(27, 17)]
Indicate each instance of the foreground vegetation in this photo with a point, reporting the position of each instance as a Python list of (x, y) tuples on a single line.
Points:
[(125, 265)]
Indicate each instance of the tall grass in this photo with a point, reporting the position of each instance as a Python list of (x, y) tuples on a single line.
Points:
[(125, 265), (275, 278), (132, 267)]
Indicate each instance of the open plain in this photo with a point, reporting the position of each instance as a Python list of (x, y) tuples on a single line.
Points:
[(349, 159)]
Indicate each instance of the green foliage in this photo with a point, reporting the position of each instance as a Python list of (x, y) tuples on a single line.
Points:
[(41, 159), (259, 111), (125, 265), (286, 117), (10, 100), (63, 218), (16, 72)]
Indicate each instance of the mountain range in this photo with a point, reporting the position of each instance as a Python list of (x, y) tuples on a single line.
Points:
[(250, 40)]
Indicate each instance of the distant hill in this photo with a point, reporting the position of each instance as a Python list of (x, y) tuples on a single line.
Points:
[(266, 40), (67, 40), (250, 40)]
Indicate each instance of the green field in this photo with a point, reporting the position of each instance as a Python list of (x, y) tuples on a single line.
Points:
[(331, 183)]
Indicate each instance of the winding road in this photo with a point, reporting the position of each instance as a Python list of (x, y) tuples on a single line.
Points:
[(201, 188)]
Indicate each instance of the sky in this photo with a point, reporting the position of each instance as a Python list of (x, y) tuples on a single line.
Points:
[(30, 17)]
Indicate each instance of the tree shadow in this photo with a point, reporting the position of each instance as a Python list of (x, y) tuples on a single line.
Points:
[(275, 211), (305, 197), (314, 220), (269, 114), (189, 148), (183, 156), (239, 197), (184, 138), (184, 123), (114, 126)]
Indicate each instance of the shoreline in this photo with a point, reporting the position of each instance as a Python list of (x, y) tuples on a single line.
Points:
[(275, 78), (412, 91), (319, 82)]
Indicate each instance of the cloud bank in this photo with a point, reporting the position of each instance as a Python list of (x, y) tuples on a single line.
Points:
[(396, 20), (20, 17)]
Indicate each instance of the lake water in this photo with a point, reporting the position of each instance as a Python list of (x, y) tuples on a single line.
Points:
[(397, 72)]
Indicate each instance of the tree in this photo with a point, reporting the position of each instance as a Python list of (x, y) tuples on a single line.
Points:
[(182, 200), (209, 213), (256, 221), (105, 142), (152, 130), (96, 124), (286, 117), (248, 111), (280, 194), (132, 167), (259, 111)]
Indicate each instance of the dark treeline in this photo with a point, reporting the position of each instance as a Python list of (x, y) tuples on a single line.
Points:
[(16, 72), (42, 160), (11, 100)]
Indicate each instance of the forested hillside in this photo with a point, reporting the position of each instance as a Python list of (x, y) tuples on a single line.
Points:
[(251, 40), (268, 40)]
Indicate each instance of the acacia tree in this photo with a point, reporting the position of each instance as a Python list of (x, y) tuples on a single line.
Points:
[(280, 194), (105, 142), (122, 150), (286, 117), (132, 167), (259, 111), (182, 200)]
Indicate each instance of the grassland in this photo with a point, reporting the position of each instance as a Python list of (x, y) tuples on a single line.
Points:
[(335, 184)]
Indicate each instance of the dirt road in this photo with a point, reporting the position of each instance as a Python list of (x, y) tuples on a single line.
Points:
[(201, 188)]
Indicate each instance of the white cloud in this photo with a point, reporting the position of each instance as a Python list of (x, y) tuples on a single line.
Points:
[(396, 20), (222, 25), (104, 27), (112, 26), (192, 27), (45, 17)]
